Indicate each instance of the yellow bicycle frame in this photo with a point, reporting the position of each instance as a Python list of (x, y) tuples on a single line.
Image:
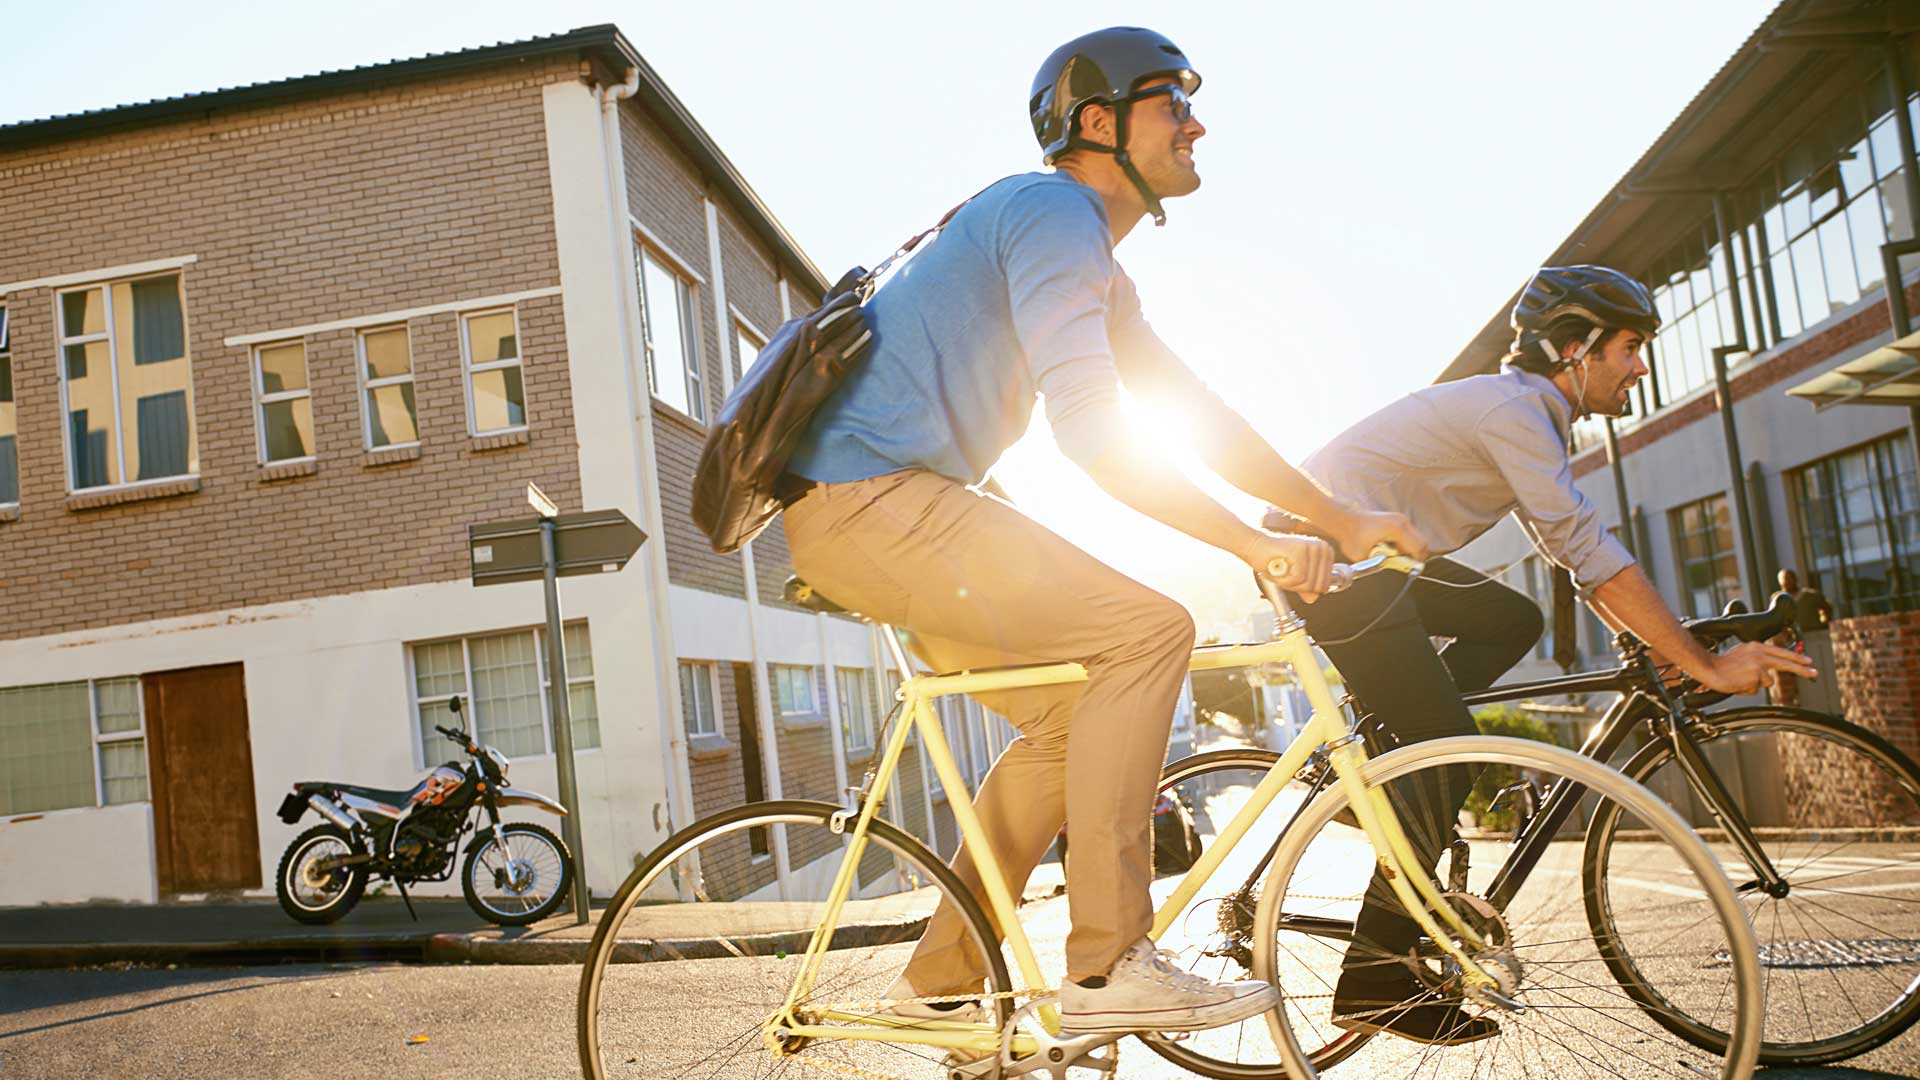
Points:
[(1412, 884)]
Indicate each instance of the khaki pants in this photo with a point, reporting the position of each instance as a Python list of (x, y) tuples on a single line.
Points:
[(980, 584)]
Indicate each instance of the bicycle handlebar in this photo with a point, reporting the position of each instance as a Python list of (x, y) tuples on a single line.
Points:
[(1344, 575), (1758, 626)]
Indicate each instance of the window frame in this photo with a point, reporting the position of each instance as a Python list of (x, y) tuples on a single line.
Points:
[(261, 399), (788, 718), (366, 385), (1681, 560), (62, 341), (712, 678), (742, 330), (863, 700), (468, 369), (468, 721), (97, 741), (1838, 583), (693, 375), (6, 358)]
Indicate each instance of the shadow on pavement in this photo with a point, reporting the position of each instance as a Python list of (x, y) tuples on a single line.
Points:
[(26, 991)]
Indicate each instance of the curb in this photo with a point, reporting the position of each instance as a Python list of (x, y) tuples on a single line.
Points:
[(484, 947), (228, 953)]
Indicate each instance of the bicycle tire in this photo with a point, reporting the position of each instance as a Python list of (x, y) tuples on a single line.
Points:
[(788, 815), (1738, 1055), (1884, 1025)]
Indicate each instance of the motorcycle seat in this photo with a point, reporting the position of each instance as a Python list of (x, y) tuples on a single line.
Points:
[(399, 800)]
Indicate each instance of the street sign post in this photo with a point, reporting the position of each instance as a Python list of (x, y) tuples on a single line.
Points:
[(549, 547)]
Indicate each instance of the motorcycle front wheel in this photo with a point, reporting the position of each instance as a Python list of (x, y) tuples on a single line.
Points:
[(314, 895), (518, 875)]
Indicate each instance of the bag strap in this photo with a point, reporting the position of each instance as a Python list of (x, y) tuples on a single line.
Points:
[(865, 285)]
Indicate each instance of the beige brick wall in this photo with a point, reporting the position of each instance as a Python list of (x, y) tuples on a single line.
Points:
[(379, 200)]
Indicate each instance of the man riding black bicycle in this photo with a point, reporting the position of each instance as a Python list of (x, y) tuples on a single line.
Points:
[(1456, 458)]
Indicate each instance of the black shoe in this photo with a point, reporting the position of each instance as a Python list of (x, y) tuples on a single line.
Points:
[(1435, 1025), (1372, 1001)]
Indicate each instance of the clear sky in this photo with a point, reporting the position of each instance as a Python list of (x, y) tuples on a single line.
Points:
[(1378, 176)]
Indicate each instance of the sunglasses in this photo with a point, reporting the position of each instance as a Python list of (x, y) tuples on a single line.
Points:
[(1178, 103)]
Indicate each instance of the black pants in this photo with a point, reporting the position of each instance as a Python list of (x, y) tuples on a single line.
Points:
[(1413, 690)]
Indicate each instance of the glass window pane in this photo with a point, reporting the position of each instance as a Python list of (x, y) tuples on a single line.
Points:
[(507, 712), (288, 428), (283, 368), (1856, 169), (1786, 296), (499, 400), (159, 325), (746, 349), (579, 649), (584, 707), (1809, 274), (92, 442), (1866, 221), (1798, 214), (491, 337), (390, 416), (83, 312), (123, 771), (158, 442), (386, 353), (696, 698), (667, 338), (117, 705), (1885, 142), (1836, 251), (46, 748), (438, 670)]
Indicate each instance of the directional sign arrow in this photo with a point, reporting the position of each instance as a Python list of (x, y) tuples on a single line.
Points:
[(593, 542)]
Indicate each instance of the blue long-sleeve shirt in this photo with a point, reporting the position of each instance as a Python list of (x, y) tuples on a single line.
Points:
[(1019, 295)]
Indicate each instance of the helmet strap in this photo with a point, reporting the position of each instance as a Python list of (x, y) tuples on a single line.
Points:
[(1121, 110)]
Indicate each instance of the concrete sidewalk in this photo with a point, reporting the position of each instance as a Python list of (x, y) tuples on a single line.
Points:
[(238, 932)]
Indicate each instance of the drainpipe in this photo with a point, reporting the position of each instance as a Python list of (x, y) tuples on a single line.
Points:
[(1723, 397), (673, 733), (835, 707), (1620, 491), (762, 680)]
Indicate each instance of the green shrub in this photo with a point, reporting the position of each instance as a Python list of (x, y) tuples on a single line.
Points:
[(1513, 722)]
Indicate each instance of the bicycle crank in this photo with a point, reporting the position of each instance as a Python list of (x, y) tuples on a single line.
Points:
[(1055, 1056)]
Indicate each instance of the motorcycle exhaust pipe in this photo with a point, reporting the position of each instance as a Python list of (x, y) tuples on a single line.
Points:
[(330, 810)]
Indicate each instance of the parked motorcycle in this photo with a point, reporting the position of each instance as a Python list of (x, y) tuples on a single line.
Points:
[(514, 874)]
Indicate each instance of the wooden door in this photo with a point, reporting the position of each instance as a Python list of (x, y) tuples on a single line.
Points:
[(200, 758)]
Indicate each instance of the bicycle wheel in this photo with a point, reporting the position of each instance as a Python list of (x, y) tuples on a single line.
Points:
[(1837, 811), (701, 945), (1562, 1013), (1213, 934)]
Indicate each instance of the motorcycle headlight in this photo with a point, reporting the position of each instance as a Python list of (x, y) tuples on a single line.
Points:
[(499, 761)]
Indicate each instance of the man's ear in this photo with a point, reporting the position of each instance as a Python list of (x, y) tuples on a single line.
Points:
[(1097, 124)]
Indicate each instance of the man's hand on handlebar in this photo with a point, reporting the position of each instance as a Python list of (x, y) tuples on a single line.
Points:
[(1751, 665), (1308, 562), (1363, 530)]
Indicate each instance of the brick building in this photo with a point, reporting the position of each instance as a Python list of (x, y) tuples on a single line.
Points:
[(250, 403), (1764, 218)]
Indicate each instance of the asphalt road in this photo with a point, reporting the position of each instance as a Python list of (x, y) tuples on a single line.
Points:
[(666, 1020)]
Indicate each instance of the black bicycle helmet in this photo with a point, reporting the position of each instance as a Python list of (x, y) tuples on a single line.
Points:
[(1107, 66), (1601, 295)]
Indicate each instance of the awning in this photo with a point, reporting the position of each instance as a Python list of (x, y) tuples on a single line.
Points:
[(1889, 375)]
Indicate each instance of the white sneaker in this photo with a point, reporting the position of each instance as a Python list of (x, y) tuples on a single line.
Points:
[(1145, 991)]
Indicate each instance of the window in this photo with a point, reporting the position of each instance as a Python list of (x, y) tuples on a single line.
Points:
[(386, 387), (490, 351), (746, 346), (507, 704), (856, 708), (66, 745), (1858, 515), (9, 428), (666, 320), (697, 707), (127, 383), (1703, 548), (793, 692), (285, 406)]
